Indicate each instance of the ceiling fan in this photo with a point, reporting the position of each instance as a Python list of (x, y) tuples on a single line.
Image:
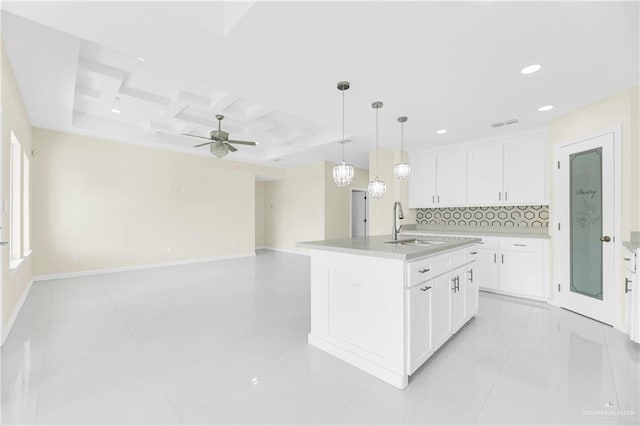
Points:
[(219, 141)]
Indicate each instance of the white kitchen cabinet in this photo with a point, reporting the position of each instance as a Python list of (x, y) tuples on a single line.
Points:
[(522, 267), (471, 292), (442, 329), (485, 175), (438, 179), (458, 298), (451, 180), (420, 325), (422, 181), (632, 299), (525, 171)]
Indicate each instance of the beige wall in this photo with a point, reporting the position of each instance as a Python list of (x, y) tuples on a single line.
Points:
[(294, 207), (397, 190), (259, 204), (102, 204), (14, 119)]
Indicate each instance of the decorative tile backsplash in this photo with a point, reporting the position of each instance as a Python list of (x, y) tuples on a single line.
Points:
[(531, 216)]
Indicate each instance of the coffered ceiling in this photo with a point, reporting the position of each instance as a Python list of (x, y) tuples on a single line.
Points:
[(145, 72)]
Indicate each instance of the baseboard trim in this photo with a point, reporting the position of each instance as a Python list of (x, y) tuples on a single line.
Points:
[(90, 272), (6, 330), (283, 250)]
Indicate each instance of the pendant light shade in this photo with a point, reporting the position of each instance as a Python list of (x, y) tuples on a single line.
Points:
[(343, 172), (376, 188), (402, 170)]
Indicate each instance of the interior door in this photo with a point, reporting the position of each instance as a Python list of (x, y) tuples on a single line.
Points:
[(359, 211), (586, 250)]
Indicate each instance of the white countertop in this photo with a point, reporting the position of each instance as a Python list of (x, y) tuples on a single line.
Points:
[(377, 246), (504, 231)]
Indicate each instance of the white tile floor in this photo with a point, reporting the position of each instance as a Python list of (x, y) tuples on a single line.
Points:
[(225, 342)]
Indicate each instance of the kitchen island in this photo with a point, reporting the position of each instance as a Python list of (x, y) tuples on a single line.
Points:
[(386, 306)]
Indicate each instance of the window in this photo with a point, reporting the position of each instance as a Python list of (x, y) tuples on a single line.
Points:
[(15, 198), (26, 244)]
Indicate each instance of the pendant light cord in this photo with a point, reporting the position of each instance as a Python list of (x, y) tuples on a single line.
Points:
[(402, 141), (377, 143), (342, 126)]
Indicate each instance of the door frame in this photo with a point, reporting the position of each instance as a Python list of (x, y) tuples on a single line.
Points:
[(367, 210), (560, 264)]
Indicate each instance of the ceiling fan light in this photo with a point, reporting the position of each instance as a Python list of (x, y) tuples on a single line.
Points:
[(219, 149), (343, 174), (376, 189), (402, 170)]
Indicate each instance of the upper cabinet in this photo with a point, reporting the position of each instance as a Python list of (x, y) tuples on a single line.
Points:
[(505, 172), (438, 179)]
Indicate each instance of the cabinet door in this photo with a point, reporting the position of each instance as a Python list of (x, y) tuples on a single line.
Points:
[(451, 182), (471, 291), (485, 173), (420, 325), (458, 299), (522, 272), (441, 309), (485, 268), (525, 165), (422, 181)]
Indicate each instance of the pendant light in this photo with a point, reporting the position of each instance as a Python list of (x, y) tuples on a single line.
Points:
[(402, 170), (377, 188), (343, 172)]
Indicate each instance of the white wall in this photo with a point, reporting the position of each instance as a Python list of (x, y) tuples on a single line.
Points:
[(259, 217)]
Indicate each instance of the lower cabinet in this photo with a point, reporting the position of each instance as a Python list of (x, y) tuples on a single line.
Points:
[(471, 291), (632, 298), (486, 268), (442, 324), (421, 325), (522, 267), (458, 298)]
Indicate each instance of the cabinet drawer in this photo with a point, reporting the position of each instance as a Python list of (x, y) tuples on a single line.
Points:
[(421, 270), (521, 244), (489, 242)]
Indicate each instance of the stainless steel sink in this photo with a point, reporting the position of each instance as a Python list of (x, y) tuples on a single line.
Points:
[(416, 242)]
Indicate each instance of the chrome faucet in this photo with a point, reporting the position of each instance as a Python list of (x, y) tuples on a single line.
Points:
[(397, 214)]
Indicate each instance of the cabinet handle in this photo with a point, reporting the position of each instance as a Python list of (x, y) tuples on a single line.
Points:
[(425, 288), (505, 196), (474, 252), (626, 285), (494, 258), (457, 283), (480, 242), (502, 258), (628, 259), (438, 199), (471, 275), (422, 271), (520, 245), (453, 280), (499, 196)]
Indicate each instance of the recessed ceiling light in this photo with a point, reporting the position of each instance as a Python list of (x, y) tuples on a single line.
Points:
[(117, 111), (531, 69), (441, 131), (545, 108), (141, 59)]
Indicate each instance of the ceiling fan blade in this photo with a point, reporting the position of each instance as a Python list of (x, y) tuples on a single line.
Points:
[(232, 148), (203, 144), (242, 142), (194, 136)]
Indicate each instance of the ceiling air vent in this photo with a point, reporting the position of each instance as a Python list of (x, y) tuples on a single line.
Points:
[(504, 123)]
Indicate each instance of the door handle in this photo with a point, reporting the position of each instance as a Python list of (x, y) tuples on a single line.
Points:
[(605, 239), (626, 285)]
